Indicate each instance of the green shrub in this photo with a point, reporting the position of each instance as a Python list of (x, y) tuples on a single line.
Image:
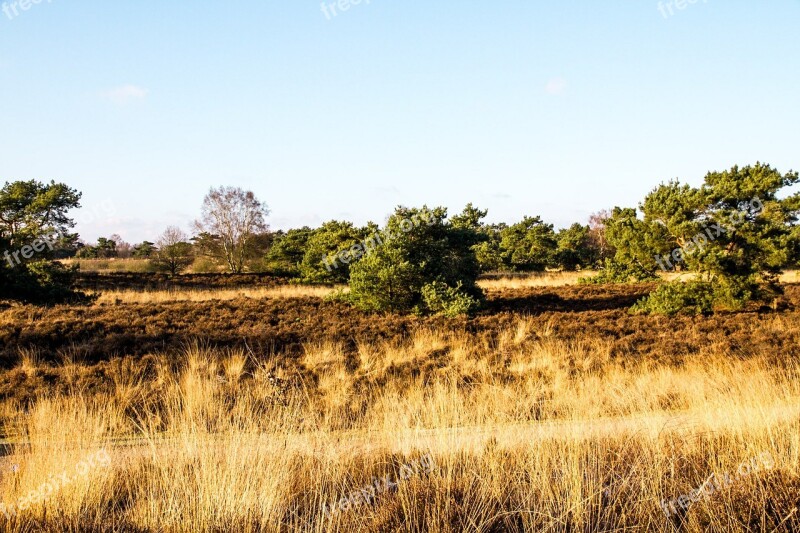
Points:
[(339, 295), (418, 247), (383, 281), (615, 272), (441, 299), (331, 250), (40, 282), (691, 298)]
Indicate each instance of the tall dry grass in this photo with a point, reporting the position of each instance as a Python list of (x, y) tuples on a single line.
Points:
[(528, 432), (534, 279), (560, 279), (202, 295), (111, 265)]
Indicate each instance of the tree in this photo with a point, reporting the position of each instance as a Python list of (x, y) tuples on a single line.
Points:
[(106, 248), (597, 236), (144, 250), (174, 253), (488, 251), (30, 209), (575, 249), (529, 245), (470, 218), (65, 245), (333, 238), (634, 242), (415, 259), (234, 218), (33, 218), (287, 251), (208, 245), (123, 249), (734, 231)]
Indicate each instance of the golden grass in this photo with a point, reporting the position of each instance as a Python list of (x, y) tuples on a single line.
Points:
[(203, 295), (558, 279), (535, 279), (111, 265), (528, 432), (790, 276)]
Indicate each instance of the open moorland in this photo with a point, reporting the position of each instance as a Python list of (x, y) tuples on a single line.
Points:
[(225, 403)]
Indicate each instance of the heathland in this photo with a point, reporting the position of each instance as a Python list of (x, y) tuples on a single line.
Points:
[(230, 403)]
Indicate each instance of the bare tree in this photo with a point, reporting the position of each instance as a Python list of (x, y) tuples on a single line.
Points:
[(597, 234), (124, 249), (174, 252), (235, 217)]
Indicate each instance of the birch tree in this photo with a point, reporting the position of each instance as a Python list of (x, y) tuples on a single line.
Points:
[(235, 217)]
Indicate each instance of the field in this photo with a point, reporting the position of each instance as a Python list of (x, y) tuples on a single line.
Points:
[(248, 404)]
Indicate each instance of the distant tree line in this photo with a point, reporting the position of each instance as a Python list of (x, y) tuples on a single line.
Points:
[(735, 232)]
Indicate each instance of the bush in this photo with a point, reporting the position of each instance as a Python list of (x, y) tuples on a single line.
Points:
[(383, 281), (418, 247), (331, 250), (691, 298), (615, 272), (442, 299), (40, 282)]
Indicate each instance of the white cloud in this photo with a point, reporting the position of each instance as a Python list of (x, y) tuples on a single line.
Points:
[(125, 93), (556, 86)]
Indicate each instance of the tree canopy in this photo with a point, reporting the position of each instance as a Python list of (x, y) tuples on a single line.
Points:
[(33, 219), (232, 219), (424, 263)]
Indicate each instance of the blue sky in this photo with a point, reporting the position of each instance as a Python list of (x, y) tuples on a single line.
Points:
[(547, 108)]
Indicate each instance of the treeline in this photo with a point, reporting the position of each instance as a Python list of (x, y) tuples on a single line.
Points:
[(736, 233), (530, 245)]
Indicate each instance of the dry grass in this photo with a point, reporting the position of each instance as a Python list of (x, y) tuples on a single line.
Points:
[(534, 279), (528, 432), (110, 265), (561, 279), (790, 276), (195, 295), (116, 265)]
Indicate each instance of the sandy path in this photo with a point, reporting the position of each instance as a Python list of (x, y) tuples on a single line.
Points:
[(409, 441)]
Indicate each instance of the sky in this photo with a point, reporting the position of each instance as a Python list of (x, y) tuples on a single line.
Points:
[(523, 107)]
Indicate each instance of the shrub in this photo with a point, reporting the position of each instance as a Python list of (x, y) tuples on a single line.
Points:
[(418, 247), (691, 298), (441, 299), (615, 272), (384, 281), (40, 282), (331, 250)]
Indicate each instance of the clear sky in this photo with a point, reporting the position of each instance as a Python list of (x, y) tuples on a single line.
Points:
[(524, 107)]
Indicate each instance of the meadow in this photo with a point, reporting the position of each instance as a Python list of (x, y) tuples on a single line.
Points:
[(267, 407)]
